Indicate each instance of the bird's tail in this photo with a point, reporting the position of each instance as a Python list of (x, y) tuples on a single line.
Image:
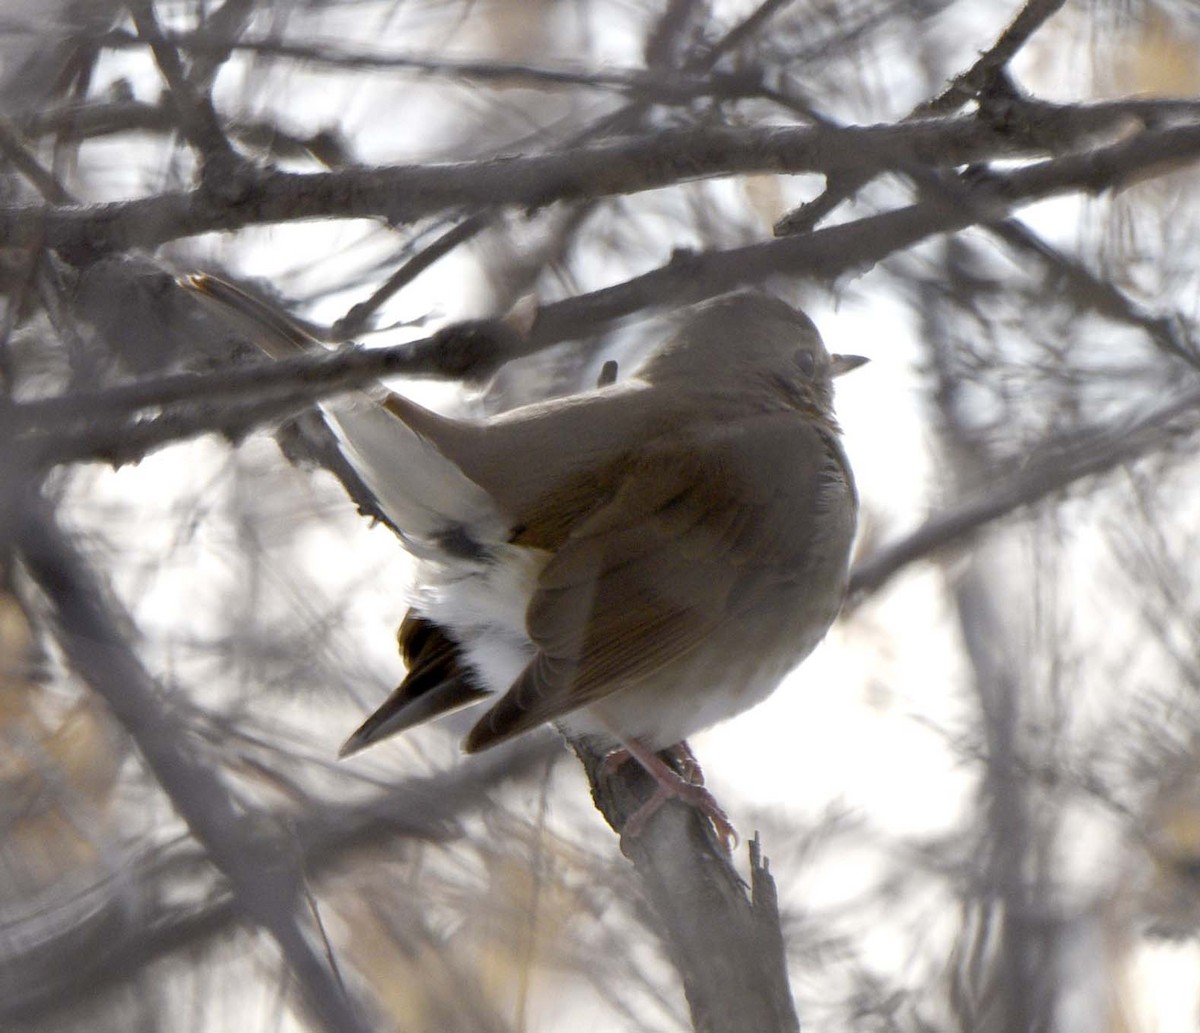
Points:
[(392, 442), (267, 325)]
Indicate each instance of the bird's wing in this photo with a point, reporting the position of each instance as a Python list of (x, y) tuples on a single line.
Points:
[(690, 534)]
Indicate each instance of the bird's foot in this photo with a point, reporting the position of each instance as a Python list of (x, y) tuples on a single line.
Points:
[(685, 762), (693, 795), (686, 785)]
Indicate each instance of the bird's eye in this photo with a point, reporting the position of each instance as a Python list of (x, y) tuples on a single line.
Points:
[(806, 362)]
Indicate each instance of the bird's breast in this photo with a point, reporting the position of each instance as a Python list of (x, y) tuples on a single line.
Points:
[(735, 669)]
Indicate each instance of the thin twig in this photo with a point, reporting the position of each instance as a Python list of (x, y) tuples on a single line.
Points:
[(1091, 291), (659, 86), (359, 317), (993, 61), (964, 87), (739, 34), (193, 108)]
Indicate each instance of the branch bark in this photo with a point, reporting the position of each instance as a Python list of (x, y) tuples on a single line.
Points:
[(286, 387), (404, 194), (727, 946)]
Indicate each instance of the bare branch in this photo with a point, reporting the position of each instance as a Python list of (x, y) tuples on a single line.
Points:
[(264, 878), (404, 194), (329, 835), (992, 61), (479, 347), (193, 108), (407, 193), (1092, 292), (1057, 466), (24, 161), (741, 32), (662, 42), (727, 947), (964, 87), (359, 317), (224, 27)]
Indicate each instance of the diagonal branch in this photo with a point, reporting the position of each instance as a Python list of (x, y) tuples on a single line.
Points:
[(42, 179), (964, 87), (1091, 291), (193, 107), (264, 877), (992, 61), (727, 945), (1058, 468), (327, 836)]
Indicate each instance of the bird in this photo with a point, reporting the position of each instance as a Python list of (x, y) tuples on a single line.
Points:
[(633, 563)]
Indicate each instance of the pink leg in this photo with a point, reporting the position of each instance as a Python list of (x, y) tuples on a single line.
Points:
[(671, 786), (687, 761), (681, 751)]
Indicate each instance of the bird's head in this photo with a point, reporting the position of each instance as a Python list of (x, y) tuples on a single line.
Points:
[(750, 341)]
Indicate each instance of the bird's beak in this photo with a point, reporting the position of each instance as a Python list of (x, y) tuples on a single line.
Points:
[(839, 364)]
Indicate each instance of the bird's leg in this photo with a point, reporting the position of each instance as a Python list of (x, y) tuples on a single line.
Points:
[(686, 762), (680, 754), (670, 785)]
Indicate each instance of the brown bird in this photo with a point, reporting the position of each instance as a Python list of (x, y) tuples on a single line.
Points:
[(633, 563)]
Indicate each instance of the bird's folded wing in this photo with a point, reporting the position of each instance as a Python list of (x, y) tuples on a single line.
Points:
[(694, 532)]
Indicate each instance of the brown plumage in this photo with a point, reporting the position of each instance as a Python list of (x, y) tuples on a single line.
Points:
[(635, 562)]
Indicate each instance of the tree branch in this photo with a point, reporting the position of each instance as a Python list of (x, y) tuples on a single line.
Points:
[(193, 108), (728, 947), (407, 193), (994, 60), (1057, 467), (476, 347), (326, 837), (965, 86), (262, 873)]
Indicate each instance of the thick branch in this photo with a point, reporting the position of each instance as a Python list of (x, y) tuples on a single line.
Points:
[(404, 194), (727, 946), (826, 254)]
